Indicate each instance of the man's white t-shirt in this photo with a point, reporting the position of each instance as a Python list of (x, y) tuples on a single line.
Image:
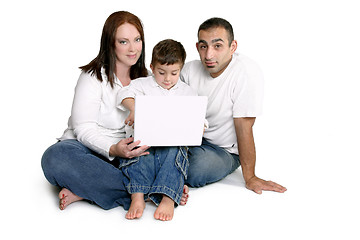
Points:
[(236, 93)]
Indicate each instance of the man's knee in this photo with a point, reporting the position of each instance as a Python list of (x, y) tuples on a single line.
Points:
[(208, 165)]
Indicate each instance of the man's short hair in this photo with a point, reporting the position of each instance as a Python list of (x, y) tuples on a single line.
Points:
[(218, 22), (168, 52)]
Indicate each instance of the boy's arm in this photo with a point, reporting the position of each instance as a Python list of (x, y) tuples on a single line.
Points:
[(129, 103)]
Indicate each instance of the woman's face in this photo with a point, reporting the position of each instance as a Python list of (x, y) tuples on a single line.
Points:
[(128, 45)]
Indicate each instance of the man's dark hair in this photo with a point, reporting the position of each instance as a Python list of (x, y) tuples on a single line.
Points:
[(218, 22)]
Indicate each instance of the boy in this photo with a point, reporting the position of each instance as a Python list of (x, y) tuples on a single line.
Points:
[(162, 181)]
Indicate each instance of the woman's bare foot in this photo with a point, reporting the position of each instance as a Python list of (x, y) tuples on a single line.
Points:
[(165, 210), (185, 196), (67, 197), (137, 206)]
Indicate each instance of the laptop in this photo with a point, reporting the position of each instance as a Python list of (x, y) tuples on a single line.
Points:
[(169, 120)]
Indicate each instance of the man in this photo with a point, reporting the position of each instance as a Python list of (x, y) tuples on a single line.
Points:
[(234, 86)]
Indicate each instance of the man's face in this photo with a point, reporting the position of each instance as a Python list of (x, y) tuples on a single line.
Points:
[(214, 50)]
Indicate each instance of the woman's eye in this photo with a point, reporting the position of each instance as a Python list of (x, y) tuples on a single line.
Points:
[(123, 42), (138, 40)]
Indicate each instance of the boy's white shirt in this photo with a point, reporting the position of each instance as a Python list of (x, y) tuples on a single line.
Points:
[(236, 93), (149, 86)]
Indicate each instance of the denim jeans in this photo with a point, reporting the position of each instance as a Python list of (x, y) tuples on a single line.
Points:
[(162, 172), (209, 163), (69, 164)]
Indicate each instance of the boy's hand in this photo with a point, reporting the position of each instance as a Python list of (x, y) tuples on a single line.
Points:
[(130, 119)]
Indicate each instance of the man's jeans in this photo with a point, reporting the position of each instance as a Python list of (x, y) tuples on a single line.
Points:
[(209, 163), (162, 172)]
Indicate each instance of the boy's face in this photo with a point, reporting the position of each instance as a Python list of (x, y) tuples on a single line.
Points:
[(166, 75)]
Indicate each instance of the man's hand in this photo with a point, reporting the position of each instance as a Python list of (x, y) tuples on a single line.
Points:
[(126, 148), (258, 185)]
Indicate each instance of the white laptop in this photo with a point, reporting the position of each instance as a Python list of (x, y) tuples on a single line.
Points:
[(169, 120)]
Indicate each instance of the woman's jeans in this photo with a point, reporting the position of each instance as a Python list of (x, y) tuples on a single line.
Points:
[(162, 172), (69, 164)]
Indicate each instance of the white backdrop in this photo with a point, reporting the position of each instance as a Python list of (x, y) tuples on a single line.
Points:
[(307, 139)]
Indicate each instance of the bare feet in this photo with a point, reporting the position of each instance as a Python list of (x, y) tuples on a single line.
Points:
[(185, 196), (67, 197), (137, 206), (165, 210)]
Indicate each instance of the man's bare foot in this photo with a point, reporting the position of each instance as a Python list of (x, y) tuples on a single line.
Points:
[(137, 206), (67, 197), (185, 196), (165, 210)]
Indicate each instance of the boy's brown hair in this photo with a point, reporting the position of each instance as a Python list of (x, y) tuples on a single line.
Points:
[(168, 52)]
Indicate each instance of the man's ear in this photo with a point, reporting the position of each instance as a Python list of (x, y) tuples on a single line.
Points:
[(197, 46), (233, 46)]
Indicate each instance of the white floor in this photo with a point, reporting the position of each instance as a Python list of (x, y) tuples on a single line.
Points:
[(317, 205), (307, 138)]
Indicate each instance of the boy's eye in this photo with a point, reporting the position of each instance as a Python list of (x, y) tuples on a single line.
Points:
[(161, 73)]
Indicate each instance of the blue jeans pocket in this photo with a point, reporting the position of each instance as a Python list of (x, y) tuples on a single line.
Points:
[(182, 161), (126, 162)]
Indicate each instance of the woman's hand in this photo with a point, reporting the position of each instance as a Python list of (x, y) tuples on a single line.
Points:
[(126, 148)]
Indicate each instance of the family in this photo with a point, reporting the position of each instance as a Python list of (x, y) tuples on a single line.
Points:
[(97, 160)]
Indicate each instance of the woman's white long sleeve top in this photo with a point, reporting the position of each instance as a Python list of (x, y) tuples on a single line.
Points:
[(95, 120)]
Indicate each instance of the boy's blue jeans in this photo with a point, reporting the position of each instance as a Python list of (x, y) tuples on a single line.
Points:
[(162, 172), (69, 164)]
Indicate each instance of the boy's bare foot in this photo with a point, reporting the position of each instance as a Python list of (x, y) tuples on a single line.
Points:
[(185, 196), (67, 197), (137, 206), (165, 210)]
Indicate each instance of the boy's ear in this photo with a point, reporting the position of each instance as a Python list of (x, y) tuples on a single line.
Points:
[(151, 67)]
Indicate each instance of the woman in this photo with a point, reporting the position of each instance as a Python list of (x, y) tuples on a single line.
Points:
[(84, 162)]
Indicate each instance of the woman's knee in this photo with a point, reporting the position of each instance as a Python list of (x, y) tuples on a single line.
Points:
[(57, 160)]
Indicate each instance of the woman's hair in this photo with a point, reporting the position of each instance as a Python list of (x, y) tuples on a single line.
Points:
[(107, 56), (168, 52)]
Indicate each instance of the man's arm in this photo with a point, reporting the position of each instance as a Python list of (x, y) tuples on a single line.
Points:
[(247, 155)]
